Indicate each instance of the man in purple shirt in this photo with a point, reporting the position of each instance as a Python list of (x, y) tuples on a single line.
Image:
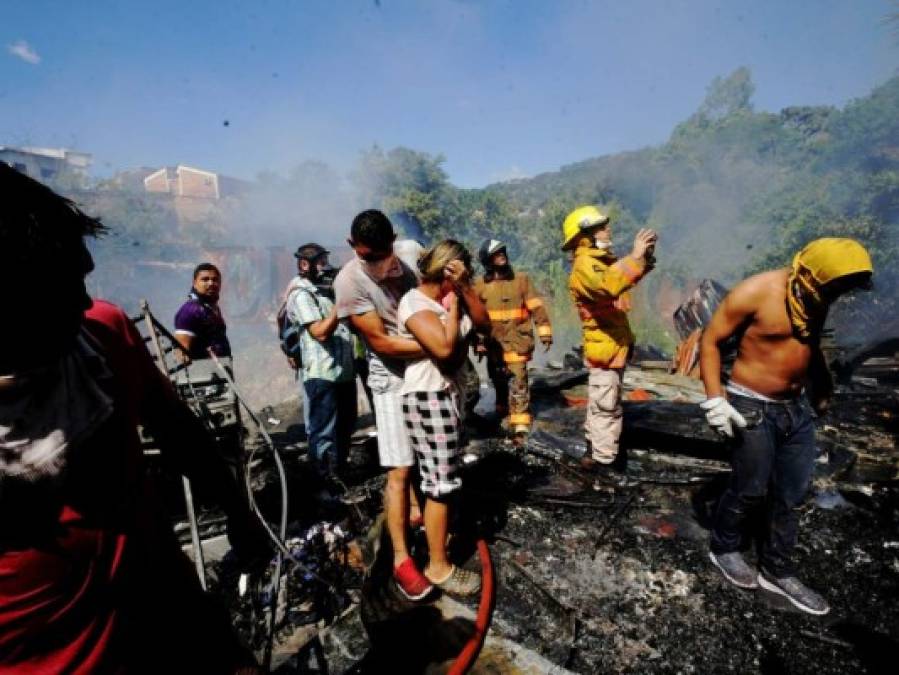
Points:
[(199, 324)]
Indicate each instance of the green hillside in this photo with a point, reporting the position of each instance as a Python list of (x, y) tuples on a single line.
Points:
[(732, 191)]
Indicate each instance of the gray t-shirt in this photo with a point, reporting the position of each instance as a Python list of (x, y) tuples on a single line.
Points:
[(357, 293)]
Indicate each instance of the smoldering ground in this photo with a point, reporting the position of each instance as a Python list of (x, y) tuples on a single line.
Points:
[(599, 580)]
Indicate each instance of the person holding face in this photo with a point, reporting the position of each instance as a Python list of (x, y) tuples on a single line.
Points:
[(438, 315)]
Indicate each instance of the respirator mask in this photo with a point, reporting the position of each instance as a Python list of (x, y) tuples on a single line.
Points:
[(324, 280)]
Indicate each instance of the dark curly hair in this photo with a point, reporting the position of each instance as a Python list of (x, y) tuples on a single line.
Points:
[(372, 228), (36, 224)]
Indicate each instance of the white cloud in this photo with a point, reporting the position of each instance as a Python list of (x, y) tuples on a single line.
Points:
[(24, 51)]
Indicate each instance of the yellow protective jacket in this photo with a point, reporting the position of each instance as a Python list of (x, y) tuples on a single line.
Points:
[(598, 285), (514, 306)]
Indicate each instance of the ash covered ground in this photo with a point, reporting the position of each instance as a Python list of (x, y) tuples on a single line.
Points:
[(591, 579)]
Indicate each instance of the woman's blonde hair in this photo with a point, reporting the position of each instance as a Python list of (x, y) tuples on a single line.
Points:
[(436, 258)]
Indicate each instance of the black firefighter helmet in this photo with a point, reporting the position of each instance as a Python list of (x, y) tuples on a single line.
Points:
[(488, 249)]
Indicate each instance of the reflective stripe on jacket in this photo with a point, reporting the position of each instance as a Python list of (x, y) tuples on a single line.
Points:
[(514, 306), (598, 285)]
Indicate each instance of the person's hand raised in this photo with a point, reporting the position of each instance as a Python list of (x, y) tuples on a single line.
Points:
[(643, 242), (456, 273)]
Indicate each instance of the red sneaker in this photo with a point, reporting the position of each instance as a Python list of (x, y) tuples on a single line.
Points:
[(412, 583)]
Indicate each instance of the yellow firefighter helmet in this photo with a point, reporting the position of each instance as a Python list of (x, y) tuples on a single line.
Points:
[(582, 218)]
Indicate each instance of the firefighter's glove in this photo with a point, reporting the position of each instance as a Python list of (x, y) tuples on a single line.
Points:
[(722, 416)]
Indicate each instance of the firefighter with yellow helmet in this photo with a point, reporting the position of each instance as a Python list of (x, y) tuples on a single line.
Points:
[(514, 306), (599, 285)]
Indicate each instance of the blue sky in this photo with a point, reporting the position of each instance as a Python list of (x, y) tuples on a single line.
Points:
[(502, 88)]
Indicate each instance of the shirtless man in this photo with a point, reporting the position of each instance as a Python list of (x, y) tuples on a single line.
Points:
[(763, 409)]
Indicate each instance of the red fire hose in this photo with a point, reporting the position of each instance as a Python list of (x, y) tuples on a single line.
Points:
[(472, 648)]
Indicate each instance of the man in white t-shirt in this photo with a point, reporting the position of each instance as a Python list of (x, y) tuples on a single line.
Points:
[(368, 290)]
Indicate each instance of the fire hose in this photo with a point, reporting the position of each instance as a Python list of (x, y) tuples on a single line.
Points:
[(469, 654), (277, 538), (463, 661)]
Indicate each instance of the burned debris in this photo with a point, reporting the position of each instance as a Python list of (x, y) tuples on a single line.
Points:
[(587, 576), (590, 577), (578, 568)]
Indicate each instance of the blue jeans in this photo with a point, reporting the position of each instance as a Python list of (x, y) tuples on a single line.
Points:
[(331, 419), (772, 461)]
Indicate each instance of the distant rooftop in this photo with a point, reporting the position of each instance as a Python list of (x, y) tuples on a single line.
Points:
[(188, 181), (73, 156)]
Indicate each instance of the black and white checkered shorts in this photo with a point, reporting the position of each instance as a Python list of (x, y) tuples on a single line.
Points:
[(435, 434)]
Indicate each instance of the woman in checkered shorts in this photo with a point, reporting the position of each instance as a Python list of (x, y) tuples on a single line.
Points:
[(439, 314)]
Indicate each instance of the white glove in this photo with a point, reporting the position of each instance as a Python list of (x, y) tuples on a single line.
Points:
[(721, 415)]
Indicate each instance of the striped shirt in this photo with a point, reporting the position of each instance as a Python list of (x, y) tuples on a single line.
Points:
[(331, 360)]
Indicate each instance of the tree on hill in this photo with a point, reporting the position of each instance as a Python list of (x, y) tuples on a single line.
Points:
[(727, 96), (411, 187)]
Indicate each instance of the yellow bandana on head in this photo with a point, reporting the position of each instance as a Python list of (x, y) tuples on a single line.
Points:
[(819, 263)]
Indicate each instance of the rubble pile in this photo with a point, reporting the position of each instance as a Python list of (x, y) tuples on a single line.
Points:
[(596, 579)]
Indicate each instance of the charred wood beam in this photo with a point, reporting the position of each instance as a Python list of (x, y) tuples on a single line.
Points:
[(543, 380), (570, 503), (556, 455), (844, 367), (826, 639), (672, 426)]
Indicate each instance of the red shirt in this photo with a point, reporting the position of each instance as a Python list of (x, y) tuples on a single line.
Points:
[(92, 579)]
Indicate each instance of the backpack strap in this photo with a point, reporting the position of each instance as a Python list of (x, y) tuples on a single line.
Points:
[(314, 296)]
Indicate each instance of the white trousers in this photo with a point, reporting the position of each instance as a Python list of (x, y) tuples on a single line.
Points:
[(604, 420)]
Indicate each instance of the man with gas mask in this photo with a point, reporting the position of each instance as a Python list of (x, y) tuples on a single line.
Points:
[(325, 363), (599, 285), (765, 409), (514, 306)]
